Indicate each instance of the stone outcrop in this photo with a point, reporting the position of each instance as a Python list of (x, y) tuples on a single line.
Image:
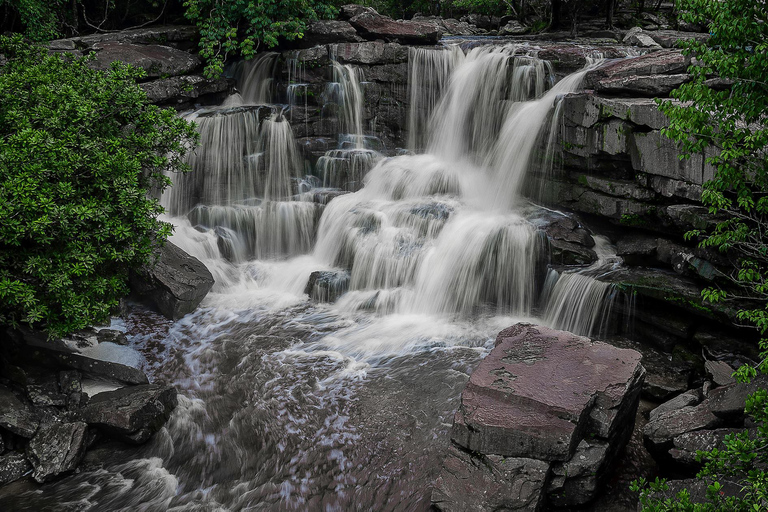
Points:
[(156, 60), (16, 415), (372, 25), (57, 448), (175, 283), (523, 402)]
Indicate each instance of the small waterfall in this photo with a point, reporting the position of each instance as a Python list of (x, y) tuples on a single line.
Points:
[(577, 301), (282, 165), (347, 93), (346, 168), (428, 74), (255, 79)]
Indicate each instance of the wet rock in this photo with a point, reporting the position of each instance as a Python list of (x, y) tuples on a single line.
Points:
[(637, 37), (664, 62), (16, 415), (327, 285), (329, 32), (56, 448), (46, 395), (156, 60), (371, 52), (520, 402), (176, 283), (637, 249), (720, 372), (690, 398), (112, 336), (660, 431), (372, 25), (470, 481), (587, 109), (132, 414), (567, 229), (662, 383), (178, 89), (651, 85), (567, 253), (99, 368), (686, 445), (13, 466)]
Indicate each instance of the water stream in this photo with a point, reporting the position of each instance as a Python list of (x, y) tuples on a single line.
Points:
[(293, 404)]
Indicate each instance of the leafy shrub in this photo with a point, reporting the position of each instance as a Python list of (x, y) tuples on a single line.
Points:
[(79, 151)]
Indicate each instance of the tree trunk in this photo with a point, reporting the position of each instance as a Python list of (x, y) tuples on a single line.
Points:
[(609, 12), (556, 14)]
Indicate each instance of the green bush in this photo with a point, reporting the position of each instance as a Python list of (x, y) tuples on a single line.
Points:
[(79, 152)]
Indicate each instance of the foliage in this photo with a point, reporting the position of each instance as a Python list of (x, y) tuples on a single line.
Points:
[(79, 151), (243, 26), (729, 126), (38, 17)]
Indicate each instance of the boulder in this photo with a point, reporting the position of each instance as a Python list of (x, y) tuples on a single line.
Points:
[(521, 402), (690, 398), (637, 37), (372, 25), (183, 88), (664, 62), (728, 402), (660, 431), (649, 85), (132, 414), (162, 34), (472, 481), (720, 372), (673, 38), (567, 253), (56, 448), (13, 466), (513, 28), (15, 415), (371, 52), (100, 368), (455, 27), (328, 32), (576, 482), (349, 11), (175, 283), (685, 446), (327, 285), (156, 60)]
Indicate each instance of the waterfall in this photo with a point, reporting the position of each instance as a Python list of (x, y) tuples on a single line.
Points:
[(255, 79)]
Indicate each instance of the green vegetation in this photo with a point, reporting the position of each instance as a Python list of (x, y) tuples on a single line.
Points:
[(730, 125), (79, 152)]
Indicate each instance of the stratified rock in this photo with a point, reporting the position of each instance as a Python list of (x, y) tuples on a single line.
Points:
[(688, 399), (329, 32), (577, 481), (522, 402), (664, 62), (156, 60), (479, 482), (372, 25), (15, 415), (56, 448), (567, 253), (183, 88), (327, 285), (371, 52), (659, 432), (176, 283), (132, 414), (674, 38), (13, 466), (637, 37), (650, 85)]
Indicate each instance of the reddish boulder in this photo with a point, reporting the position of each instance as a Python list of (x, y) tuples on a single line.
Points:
[(372, 25)]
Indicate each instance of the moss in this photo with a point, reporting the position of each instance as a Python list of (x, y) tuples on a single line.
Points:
[(583, 180)]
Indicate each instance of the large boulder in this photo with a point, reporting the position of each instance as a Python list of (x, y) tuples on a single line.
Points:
[(328, 32), (664, 62), (479, 482), (180, 89), (131, 414), (156, 60), (176, 282), (57, 448), (16, 415), (372, 25), (660, 432)]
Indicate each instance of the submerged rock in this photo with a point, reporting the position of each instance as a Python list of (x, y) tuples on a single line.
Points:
[(176, 283), (327, 285), (131, 414), (57, 448)]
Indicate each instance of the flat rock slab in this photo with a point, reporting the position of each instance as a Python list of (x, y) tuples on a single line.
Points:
[(540, 391), (15, 415), (473, 482), (660, 431), (156, 60), (56, 448), (131, 414)]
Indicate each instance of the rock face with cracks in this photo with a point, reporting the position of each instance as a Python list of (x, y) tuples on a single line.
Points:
[(545, 399)]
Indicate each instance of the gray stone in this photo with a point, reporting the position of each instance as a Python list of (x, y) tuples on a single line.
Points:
[(46, 395), (15, 415), (568, 253), (476, 482), (56, 448), (673, 38), (161, 34), (458, 28), (329, 31), (132, 414), (728, 402), (690, 398), (327, 285), (513, 28), (577, 481), (686, 445), (349, 11), (655, 154), (664, 62), (520, 402), (156, 60), (371, 52), (660, 431), (13, 466), (175, 283), (720, 372), (619, 188), (637, 249), (100, 368), (675, 188), (651, 85), (183, 88), (637, 37)]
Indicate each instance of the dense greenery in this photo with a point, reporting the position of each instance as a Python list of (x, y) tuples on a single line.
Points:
[(244, 26), (79, 152), (729, 123)]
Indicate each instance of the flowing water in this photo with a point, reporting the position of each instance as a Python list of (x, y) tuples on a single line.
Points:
[(288, 403)]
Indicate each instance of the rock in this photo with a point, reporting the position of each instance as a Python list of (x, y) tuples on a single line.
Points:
[(156, 60), (576, 482), (513, 28), (458, 28), (161, 34), (15, 415), (659, 432), (728, 402), (372, 25), (637, 249), (587, 109), (686, 445), (664, 62), (112, 336), (46, 395), (720, 372), (99, 368), (328, 32), (650, 85), (637, 37), (697, 489), (690, 398), (371, 52), (132, 414), (13, 466), (567, 253), (565, 228), (479, 482), (520, 402), (673, 38), (56, 448), (183, 88), (655, 154), (176, 283), (327, 285), (349, 11)]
